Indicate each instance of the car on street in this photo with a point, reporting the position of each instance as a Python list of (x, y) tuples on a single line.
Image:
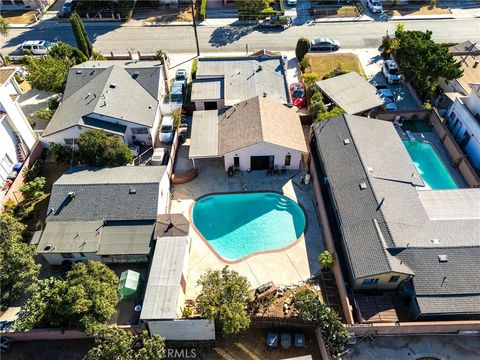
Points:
[(391, 72), (388, 97), (275, 22), (167, 130), (36, 47), (297, 91), (375, 6), (67, 9), (324, 44)]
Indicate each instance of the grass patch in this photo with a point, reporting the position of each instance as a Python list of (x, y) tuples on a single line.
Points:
[(18, 16), (323, 64)]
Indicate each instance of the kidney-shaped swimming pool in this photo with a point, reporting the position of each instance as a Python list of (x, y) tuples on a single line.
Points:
[(238, 225)]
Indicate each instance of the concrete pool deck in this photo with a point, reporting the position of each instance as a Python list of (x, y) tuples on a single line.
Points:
[(292, 265)]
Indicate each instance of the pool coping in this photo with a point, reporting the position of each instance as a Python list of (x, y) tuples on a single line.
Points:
[(221, 258)]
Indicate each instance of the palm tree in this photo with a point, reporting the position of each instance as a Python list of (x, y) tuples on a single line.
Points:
[(3, 26)]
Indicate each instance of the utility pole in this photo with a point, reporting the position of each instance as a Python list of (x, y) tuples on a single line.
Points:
[(195, 26)]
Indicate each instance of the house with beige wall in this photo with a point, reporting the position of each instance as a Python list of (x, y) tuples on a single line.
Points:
[(393, 232), (255, 134)]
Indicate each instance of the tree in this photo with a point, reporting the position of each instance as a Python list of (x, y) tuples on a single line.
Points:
[(310, 79), (224, 297), (114, 343), (329, 114), (96, 148), (85, 299), (422, 61), (81, 36), (33, 189), (177, 117), (4, 26), (18, 269), (326, 259), (316, 104), (302, 48), (47, 73), (310, 308), (67, 52)]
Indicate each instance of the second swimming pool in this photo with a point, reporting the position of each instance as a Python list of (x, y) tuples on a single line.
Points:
[(238, 225)]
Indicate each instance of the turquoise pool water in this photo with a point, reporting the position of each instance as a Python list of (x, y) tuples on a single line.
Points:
[(429, 166), (237, 225)]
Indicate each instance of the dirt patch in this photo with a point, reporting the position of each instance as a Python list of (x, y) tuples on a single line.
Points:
[(19, 17), (329, 11), (420, 10), (164, 14), (322, 64)]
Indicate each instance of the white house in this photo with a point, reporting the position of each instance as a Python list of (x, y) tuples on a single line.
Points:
[(255, 134), (16, 135), (119, 97), (463, 119), (105, 214)]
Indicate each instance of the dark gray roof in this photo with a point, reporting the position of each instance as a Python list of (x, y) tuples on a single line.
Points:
[(126, 237), (122, 193), (106, 93), (67, 237), (399, 234)]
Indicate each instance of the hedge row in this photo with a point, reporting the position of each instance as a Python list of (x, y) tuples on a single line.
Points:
[(202, 15)]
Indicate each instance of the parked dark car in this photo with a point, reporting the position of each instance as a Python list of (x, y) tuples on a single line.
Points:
[(275, 22), (324, 44)]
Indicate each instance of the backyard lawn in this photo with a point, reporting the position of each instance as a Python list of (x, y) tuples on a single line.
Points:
[(323, 64)]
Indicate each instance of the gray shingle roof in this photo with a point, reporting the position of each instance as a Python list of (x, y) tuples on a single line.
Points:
[(122, 193), (67, 237), (126, 237), (351, 92), (376, 156), (108, 93)]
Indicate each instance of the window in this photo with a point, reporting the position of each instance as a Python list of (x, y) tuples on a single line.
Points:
[(69, 142), (67, 256), (394, 279), (7, 163), (236, 162), (140, 131), (288, 159), (370, 281)]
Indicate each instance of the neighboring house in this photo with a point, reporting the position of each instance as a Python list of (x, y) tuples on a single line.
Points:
[(468, 55), (351, 93), (223, 82), (21, 4), (256, 134), (119, 97), (463, 119), (16, 135), (105, 214), (393, 232), (167, 281)]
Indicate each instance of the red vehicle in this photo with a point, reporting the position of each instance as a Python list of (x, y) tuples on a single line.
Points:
[(297, 91)]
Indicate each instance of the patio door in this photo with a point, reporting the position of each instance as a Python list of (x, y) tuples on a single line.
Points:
[(261, 162)]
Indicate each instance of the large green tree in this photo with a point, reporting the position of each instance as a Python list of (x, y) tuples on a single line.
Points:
[(96, 148), (224, 297), (302, 48), (81, 36), (85, 299), (423, 61), (4, 27), (67, 52), (118, 344), (47, 73), (309, 307), (18, 270)]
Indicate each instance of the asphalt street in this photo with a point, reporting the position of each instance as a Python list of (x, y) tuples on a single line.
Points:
[(180, 39)]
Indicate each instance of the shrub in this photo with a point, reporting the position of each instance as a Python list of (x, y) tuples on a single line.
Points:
[(194, 68), (310, 79), (316, 104), (326, 259), (302, 48), (63, 153), (35, 171), (202, 14), (33, 189), (304, 63), (44, 114)]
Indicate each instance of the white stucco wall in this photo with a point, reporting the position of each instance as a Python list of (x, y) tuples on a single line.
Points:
[(452, 86), (163, 194), (7, 147), (466, 123), (57, 259), (264, 149)]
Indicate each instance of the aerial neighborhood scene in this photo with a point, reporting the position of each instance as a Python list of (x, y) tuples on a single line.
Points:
[(240, 179)]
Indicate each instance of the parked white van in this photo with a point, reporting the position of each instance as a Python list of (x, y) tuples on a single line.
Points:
[(37, 47), (167, 131)]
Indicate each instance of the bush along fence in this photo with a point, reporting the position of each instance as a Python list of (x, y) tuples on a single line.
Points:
[(202, 14), (246, 12)]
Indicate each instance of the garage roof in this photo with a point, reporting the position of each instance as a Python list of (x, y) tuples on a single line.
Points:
[(204, 137), (207, 89)]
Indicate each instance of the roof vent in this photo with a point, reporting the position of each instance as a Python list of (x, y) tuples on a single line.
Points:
[(78, 71), (346, 141), (363, 186), (435, 241), (47, 248), (369, 169), (113, 86), (442, 258), (71, 194), (149, 106), (132, 191), (264, 94)]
